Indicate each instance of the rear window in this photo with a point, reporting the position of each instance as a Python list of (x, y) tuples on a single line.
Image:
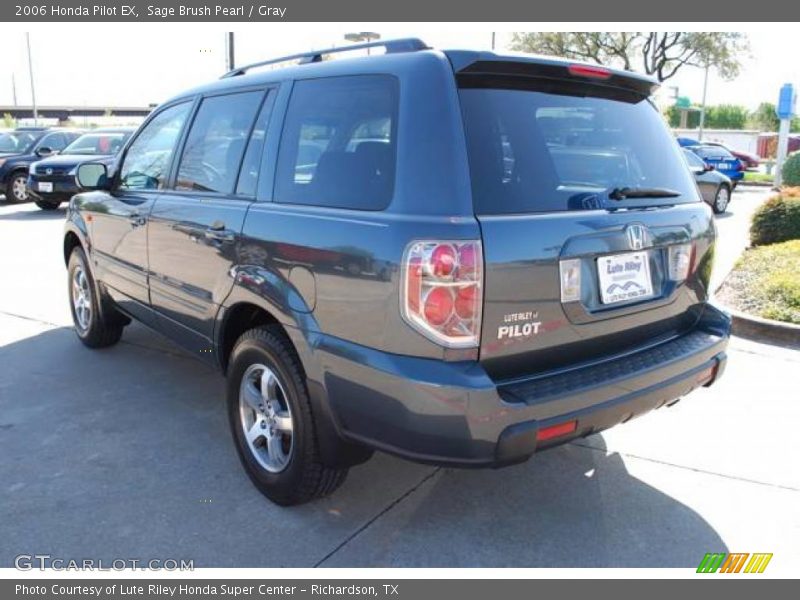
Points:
[(532, 151), (339, 141)]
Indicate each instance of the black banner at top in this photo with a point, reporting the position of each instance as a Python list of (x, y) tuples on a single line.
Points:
[(237, 11)]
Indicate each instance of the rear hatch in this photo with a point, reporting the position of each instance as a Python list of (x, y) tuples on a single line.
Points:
[(595, 240)]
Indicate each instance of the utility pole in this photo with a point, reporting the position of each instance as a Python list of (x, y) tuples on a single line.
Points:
[(493, 39), (703, 105), (14, 89), (229, 52), (30, 72)]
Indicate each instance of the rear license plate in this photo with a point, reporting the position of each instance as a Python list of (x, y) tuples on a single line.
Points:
[(624, 277), (45, 186), (724, 166)]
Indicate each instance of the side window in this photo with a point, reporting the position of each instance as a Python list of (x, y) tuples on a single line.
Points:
[(216, 142), (148, 158), (54, 141), (339, 143), (251, 164)]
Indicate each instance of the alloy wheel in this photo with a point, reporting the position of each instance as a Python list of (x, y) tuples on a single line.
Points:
[(266, 418), (81, 298)]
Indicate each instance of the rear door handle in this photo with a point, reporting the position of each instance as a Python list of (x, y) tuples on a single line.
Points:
[(216, 231), (136, 220)]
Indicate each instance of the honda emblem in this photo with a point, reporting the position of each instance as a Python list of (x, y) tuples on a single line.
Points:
[(636, 234)]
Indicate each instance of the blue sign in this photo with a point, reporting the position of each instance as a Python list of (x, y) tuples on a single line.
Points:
[(787, 102)]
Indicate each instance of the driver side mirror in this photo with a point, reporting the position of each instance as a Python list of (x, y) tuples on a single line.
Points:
[(43, 151), (92, 176), (708, 167)]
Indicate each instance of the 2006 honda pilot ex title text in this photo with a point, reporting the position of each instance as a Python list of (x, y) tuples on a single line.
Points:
[(457, 257)]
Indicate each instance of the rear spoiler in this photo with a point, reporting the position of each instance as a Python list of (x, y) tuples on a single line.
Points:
[(490, 70)]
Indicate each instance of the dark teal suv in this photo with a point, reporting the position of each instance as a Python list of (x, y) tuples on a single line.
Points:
[(460, 258)]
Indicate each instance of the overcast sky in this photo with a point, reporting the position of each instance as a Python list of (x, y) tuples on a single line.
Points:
[(139, 64)]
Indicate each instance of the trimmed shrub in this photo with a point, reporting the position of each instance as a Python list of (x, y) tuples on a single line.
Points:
[(778, 219), (790, 173)]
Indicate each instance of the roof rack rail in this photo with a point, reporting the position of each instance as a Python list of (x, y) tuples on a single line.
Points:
[(315, 56)]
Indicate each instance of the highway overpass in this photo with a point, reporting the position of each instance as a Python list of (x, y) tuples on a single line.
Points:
[(63, 113)]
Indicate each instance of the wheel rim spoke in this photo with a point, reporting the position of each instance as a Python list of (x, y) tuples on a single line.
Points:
[(283, 422), (269, 383), (275, 449), (255, 432), (252, 396)]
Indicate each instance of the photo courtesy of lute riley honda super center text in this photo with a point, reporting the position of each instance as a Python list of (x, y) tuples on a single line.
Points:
[(204, 590)]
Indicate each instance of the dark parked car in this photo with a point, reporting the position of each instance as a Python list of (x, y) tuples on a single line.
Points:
[(722, 161), (23, 146), (52, 181), (749, 160), (715, 187), (546, 257)]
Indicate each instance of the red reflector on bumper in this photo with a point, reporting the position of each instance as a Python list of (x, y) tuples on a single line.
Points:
[(707, 375), (554, 431)]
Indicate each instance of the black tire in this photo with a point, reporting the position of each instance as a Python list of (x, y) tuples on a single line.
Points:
[(16, 188), (304, 477), (722, 198), (104, 325), (48, 204)]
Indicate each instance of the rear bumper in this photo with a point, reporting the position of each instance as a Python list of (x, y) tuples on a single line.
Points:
[(454, 414)]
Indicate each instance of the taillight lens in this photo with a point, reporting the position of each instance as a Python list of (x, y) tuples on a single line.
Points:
[(442, 292)]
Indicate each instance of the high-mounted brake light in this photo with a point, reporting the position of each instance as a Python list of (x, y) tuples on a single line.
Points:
[(589, 71), (441, 293)]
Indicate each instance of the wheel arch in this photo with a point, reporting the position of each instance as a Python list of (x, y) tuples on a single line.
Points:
[(245, 310)]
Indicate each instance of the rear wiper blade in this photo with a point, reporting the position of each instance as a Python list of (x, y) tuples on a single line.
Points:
[(631, 192)]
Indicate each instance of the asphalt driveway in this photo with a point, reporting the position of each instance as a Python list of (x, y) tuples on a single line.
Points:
[(125, 453)]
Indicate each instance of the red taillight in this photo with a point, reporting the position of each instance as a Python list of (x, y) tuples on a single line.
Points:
[(438, 306), (442, 291), (554, 431), (443, 260), (589, 71), (740, 166)]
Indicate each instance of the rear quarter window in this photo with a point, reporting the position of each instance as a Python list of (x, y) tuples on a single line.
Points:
[(339, 143)]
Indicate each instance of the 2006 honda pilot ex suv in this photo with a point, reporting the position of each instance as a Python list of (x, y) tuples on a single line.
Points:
[(460, 258)]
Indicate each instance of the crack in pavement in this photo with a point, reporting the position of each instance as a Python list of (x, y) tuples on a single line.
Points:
[(687, 468), (388, 508)]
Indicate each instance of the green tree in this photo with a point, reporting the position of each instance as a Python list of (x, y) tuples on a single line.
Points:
[(726, 116), (658, 53), (9, 122), (764, 118)]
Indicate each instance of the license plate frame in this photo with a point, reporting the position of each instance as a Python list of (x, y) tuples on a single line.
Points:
[(624, 277)]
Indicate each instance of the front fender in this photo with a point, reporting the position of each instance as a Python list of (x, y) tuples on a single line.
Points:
[(76, 225)]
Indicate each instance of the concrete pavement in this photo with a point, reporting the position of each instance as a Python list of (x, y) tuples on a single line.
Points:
[(125, 453)]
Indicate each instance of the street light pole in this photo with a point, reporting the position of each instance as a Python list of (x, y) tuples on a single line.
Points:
[(362, 36), (229, 52), (703, 106), (30, 72)]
